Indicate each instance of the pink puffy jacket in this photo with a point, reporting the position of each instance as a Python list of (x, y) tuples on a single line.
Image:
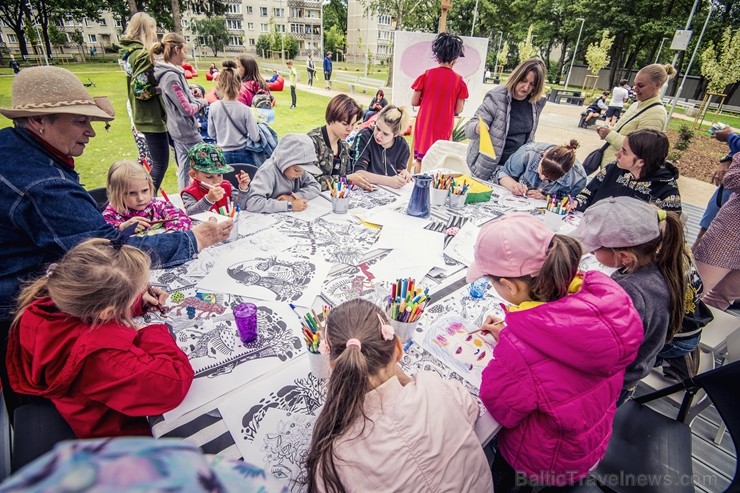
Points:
[(557, 371)]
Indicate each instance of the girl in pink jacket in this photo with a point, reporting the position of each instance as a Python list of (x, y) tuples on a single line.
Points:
[(561, 355), (380, 430)]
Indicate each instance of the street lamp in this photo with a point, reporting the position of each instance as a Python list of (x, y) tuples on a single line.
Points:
[(282, 34), (38, 37), (475, 18), (657, 57), (567, 79)]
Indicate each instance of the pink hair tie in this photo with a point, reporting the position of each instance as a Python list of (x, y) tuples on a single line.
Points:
[(386, 330), (354, 343)]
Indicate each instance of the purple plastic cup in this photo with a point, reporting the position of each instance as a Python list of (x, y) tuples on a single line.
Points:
[(245, 315)]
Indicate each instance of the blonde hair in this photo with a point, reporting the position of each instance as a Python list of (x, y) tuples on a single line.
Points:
[(229, 84), (120, 175), (94, 276), (396, 117), (658, 73), (165, 47), (536, 66), (142, 27)]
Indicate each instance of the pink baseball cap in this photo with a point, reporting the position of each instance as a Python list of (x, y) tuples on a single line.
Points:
[(514, 245)]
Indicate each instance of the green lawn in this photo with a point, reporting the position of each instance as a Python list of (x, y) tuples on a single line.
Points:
[(118, 142)]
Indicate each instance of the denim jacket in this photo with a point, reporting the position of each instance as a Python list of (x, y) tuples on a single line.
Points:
[(522, 167), (44, 212)]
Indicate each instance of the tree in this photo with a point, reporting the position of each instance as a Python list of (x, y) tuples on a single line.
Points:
[(335, 15), (11, 13), (57, 37), (263, 44), (723, 69), (79, 40), (334, 40), (597, 54), (526, 50), (213, 31), (503, 55)]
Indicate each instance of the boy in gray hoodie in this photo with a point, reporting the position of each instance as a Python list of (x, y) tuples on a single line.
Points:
[(281, 184)]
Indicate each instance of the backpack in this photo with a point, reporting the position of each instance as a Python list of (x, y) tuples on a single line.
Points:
[(262, 100)]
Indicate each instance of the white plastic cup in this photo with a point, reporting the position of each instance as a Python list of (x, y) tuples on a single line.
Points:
[(405, 331), (553, 221), (319, 365), (457, 201), (439, 196), (340, 205), (234, 234)]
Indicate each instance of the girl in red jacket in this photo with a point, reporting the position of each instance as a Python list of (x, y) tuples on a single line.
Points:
[(561, 355), (74, 341)]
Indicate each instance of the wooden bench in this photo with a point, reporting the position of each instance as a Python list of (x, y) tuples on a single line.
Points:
[(572, 97)]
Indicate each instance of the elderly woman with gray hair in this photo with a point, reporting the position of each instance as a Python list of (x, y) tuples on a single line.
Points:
[(44, 210), (510, 115)]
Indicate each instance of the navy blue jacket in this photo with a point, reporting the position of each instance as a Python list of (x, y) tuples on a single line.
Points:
[(44, 212)]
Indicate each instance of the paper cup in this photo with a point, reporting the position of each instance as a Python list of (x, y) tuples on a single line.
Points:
[(234, 235), (439, 197), (319, 365), (340, 205), (457, 201), (553, 221), (403, 330), (245, 315)]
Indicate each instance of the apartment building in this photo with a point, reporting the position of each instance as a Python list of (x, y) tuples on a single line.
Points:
[(368, 35), (245, 20)]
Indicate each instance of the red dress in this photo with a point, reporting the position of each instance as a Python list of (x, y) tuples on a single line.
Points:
[(440, 88)]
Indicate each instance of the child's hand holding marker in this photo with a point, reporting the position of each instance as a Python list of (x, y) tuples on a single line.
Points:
[(519, 189), (215, 192), (299, 204), (142, 224), (492, 326)]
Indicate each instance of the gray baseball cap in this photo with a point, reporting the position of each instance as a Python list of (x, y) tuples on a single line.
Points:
[(618, 222)]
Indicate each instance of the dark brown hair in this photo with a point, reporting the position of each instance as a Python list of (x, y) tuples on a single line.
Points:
[(349, 382), (667, 252), (651, 146), (343, 108), (558, 160), (251, 70), (560, 267)]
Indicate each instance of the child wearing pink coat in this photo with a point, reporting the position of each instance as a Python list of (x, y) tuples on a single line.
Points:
[(561, 355)]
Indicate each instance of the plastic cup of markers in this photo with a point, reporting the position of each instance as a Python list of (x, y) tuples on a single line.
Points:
[(439, 196), (553, 221), (245, 315), (404, 331), (319, 365), (457, 201), (340, 205)]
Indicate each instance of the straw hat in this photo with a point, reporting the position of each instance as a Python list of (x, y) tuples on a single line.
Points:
[(50, 90)]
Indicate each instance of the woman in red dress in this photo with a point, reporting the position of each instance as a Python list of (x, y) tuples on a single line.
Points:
[(440, 93)]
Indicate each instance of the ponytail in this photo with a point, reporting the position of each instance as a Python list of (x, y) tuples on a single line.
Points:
[(229, 83), (350, 381), (560, 268), (671, 263), (396, 117), (165, 47), (37, 289)]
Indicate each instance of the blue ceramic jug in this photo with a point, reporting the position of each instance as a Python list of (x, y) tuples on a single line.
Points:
[(419, 204)]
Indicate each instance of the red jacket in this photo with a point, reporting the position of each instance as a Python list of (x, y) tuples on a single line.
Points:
[(199, 192), (103, 380)]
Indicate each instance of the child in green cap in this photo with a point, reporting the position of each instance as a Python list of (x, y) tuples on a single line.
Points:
[(208, 191)]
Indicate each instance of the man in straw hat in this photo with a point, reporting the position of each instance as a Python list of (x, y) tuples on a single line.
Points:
[(44, 211)]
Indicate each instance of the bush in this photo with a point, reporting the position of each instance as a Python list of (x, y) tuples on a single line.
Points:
[(685, 134)]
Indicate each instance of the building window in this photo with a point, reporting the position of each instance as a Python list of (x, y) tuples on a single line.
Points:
[(102, 22), (250, 26), (278, 12), (263, 11), (93, 38), (252, 42), (384, 20), (250, 10), (382, 49), (184, 22), (234, 8), (12, 38), (264, 28), (233, 24), (118, 23), (235, 41), (69, 22), (385, 34), (280, 28)]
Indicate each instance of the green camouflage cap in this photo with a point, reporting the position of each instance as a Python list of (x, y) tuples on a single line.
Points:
[(208, 158)]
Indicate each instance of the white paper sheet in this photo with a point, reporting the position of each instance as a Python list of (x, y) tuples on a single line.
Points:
[(462, 245), (405, 222), (402, 263), (220, 360), (317, 207), (269, 277), (207, 215)]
